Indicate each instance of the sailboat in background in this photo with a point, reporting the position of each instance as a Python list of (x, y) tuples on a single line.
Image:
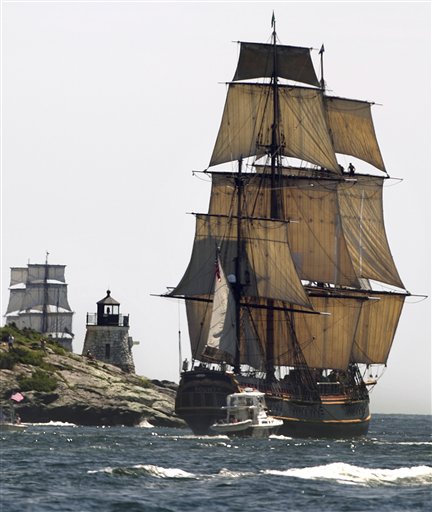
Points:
[(285, 287), (38, 300)]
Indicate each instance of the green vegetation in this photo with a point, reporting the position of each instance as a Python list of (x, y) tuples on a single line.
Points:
[(27, 348), (144, 383), (39, 381)]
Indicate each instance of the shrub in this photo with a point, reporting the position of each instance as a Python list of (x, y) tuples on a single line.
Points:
[(28, 356), (7, 360), (39, 381)]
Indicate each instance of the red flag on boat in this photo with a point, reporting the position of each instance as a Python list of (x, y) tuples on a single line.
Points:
[(17, 397)]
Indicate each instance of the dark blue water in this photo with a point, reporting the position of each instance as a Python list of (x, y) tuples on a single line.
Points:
[(81, 469)]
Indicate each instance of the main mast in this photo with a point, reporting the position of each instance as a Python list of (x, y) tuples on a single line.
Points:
[(237, 284), (45, 297), (274, 203)]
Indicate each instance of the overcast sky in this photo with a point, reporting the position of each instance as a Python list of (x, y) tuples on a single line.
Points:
[(108, 107)]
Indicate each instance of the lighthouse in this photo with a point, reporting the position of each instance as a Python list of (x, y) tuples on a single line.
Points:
[(107, 335)]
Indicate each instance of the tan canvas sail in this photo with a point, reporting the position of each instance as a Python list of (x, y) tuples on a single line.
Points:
[(316, 241), (325, 340), (246, 126), (353, 133), (292, 62), (267, 267), (376, 328), (198, 317), (363, 229)]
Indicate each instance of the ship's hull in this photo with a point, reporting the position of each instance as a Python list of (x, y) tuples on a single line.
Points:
[(202, 394)]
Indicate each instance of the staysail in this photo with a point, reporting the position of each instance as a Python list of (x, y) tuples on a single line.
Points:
[(222, 340)]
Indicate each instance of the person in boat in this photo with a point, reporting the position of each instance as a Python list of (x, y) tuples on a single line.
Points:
[(351, 169)]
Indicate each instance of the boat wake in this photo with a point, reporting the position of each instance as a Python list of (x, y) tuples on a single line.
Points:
[(355, 475)]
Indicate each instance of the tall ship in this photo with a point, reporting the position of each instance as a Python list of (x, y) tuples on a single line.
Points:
[(38, 300), (291, 288)]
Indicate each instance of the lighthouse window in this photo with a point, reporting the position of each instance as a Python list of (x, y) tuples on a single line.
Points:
[(111, 310), (107, 351)]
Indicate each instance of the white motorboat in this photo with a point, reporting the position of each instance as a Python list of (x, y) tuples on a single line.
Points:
[(247, 416), (9, 420)]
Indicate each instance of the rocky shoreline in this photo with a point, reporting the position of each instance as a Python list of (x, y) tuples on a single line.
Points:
[(60, 386)]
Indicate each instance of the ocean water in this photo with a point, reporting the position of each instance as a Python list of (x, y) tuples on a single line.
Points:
[(65, 468)]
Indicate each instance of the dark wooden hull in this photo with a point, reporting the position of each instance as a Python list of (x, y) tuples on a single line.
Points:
[(202, 394)]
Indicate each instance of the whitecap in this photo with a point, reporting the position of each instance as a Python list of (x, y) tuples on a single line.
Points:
[(108, 470), (227, 473), (160, 472), (53, 424), (355, 475), (145, 424), (148, 469)]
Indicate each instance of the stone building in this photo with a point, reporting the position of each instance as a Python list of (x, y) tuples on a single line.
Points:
[(107, 335)]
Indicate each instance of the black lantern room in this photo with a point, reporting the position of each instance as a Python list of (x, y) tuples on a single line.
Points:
[(108, 311)]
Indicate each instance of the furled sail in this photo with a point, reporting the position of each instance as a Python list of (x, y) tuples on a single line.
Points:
[(266, 60), (246, 126), (264, 247), (352, 130)]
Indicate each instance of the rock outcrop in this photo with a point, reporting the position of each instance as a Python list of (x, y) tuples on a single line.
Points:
[(86, 392)]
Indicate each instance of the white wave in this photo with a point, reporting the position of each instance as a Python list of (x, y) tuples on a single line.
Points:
[(149, 469), (415, 443), (196, 438), (145, 424), (355, 475), (283, 438), (53, 424), (160, 472), (108, 470), (227, 473)]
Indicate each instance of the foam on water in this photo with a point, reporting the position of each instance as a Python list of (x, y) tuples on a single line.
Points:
[(356, 475), (146, 469), (53, 424)]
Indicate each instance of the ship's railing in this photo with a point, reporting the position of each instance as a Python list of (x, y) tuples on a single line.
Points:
[(112, 320)]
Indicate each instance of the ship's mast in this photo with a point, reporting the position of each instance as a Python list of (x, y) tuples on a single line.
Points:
[(274, 202), (237, 285), (45, 298)]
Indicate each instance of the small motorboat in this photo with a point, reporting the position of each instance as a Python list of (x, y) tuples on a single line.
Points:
[(9, 420), (247, 416)]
